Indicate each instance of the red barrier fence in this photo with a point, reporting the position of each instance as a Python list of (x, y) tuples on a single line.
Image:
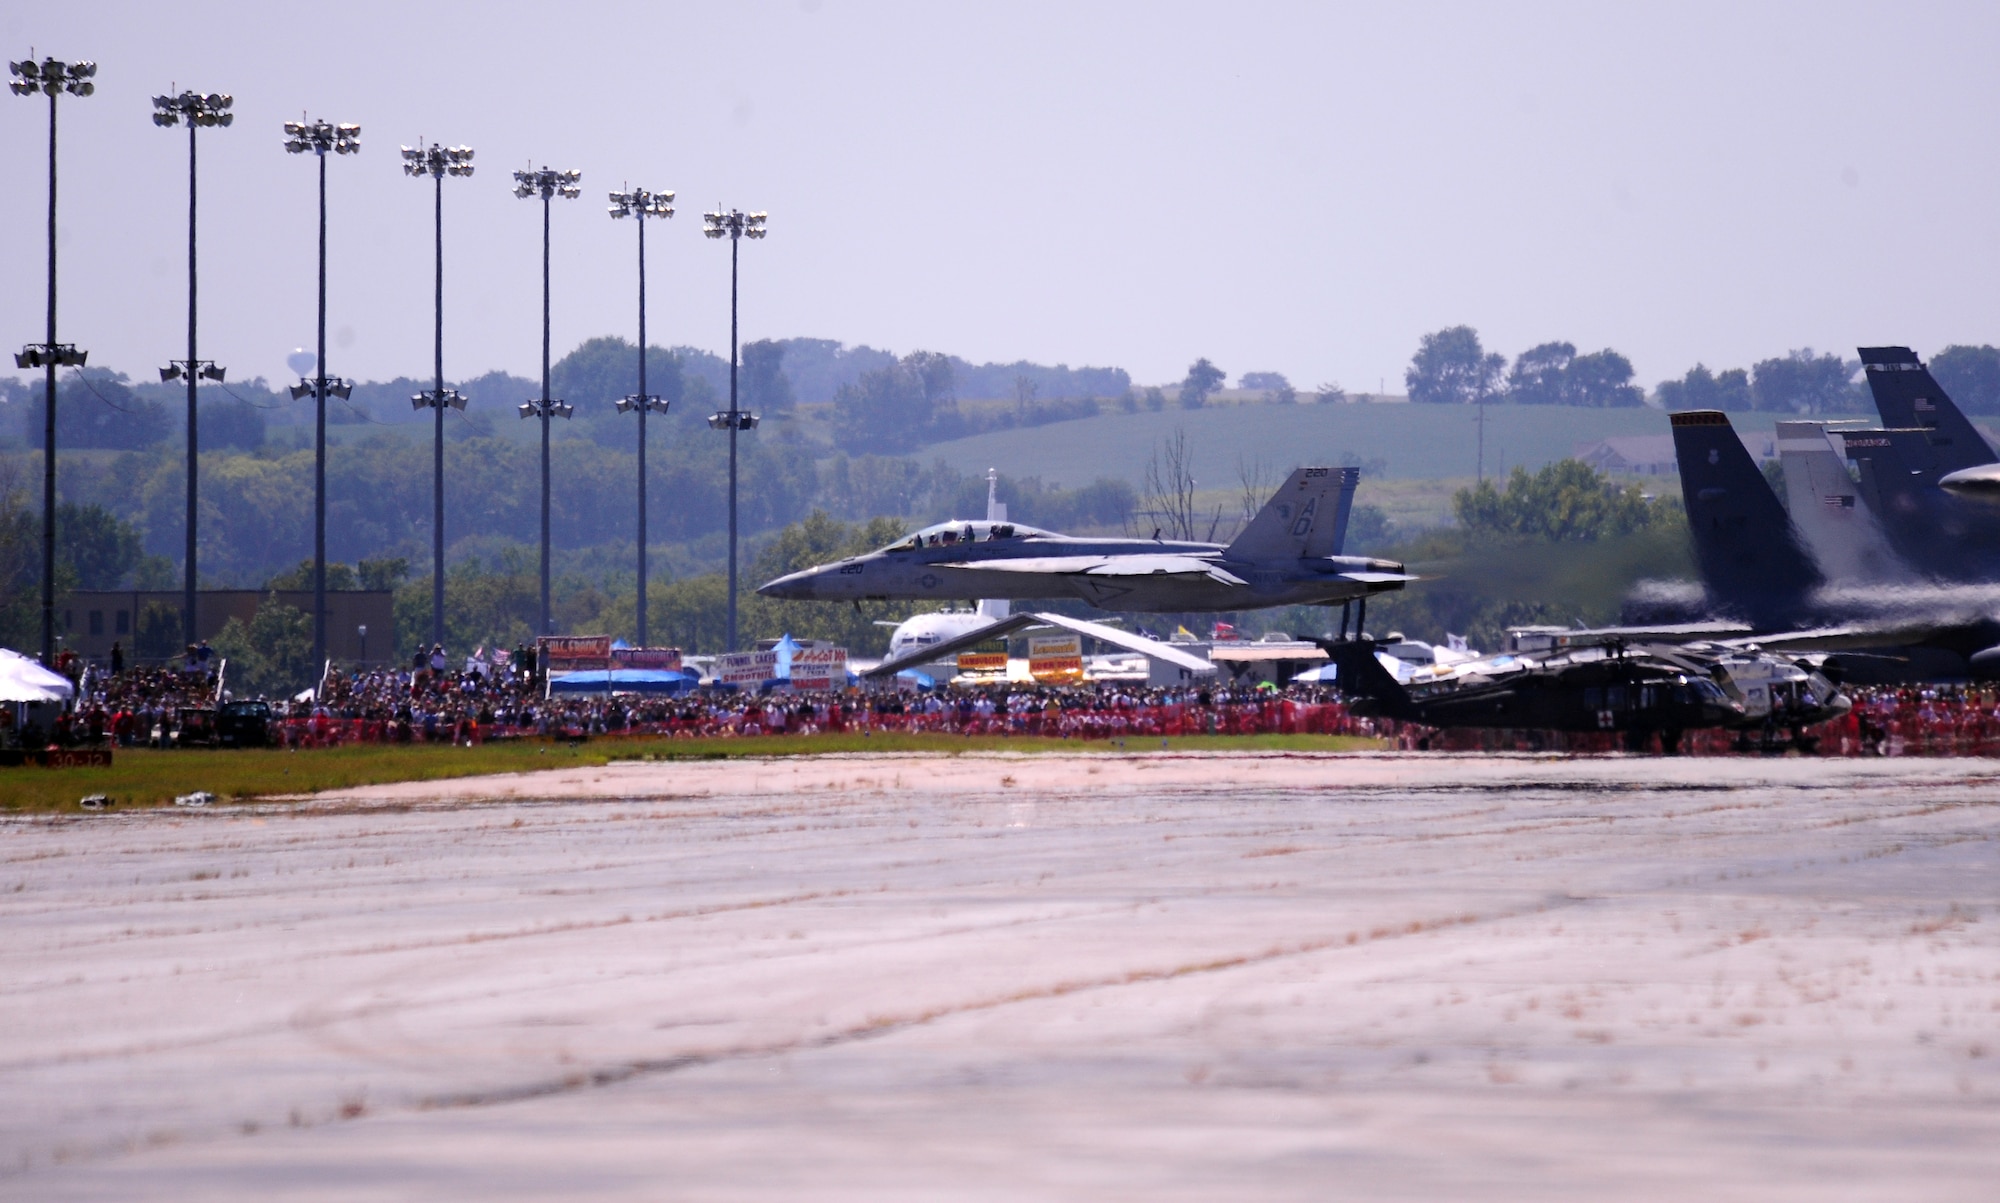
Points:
[(1899, 723)]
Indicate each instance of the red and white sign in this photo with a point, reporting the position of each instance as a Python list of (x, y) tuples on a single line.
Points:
[(823, 668), (573, 653)]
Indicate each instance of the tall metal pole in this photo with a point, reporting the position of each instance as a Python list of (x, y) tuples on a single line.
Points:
[(645, 403), (437, 442), (545, 628), (319, 448), (188, 578), (734, 244), (49, 425)]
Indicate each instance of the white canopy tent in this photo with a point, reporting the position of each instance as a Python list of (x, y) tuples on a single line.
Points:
[(25, 680)]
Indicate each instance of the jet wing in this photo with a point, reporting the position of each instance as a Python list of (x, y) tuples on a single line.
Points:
[(1130, 642), (1378, 578), (933, 652), (1007, 626), (1139, 565)]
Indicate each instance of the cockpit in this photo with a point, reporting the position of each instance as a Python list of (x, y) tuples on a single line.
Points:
[(960, 534)]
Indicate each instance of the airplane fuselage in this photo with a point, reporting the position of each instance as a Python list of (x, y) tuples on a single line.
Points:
[(953, 573)]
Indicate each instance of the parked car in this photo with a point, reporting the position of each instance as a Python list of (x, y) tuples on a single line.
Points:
[(244, 724)]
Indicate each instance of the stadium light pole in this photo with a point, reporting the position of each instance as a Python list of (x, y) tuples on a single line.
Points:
[(735, 225), (641, 204), (52, 77), (546, 184), (320, 138), (193, 110), (438, 162)]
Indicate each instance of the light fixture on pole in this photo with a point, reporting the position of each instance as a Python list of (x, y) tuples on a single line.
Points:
[(735, 225), (547, 185), (194, 110), (639, 203), (438, 162), (321, 138), (51, 77)]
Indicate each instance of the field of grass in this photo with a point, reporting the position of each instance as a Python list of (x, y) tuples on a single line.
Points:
[(145, 777)]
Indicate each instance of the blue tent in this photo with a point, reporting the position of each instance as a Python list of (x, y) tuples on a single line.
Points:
[(625, 680)]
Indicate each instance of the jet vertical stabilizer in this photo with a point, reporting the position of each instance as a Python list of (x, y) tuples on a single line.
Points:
[(1907, 396), (1750, 555), (1300, 519), (995, 608), (1828, 508), (1349, 478), (1936, 533)]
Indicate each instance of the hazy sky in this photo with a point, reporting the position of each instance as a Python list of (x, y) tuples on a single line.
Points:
[(1299, 188)]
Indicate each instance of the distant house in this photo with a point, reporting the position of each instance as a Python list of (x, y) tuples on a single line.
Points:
[(1630, 455), (1653, 454)]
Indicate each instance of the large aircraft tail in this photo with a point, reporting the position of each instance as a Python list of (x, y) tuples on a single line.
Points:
[(1830, 510), (1344, 509), (1307, 516), (1908, 396), (1750, 555), (1358, 674), (1940, 535), (995, 608)]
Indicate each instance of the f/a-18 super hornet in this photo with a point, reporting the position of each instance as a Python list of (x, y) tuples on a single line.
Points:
[(1286, 556)]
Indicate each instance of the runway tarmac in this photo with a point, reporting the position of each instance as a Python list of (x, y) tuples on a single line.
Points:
[(998, 977)]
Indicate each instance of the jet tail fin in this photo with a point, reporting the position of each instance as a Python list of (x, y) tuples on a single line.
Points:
[(1304, 517), (1750, 555), (1908, 396), (1344, 509), (1831, 511)]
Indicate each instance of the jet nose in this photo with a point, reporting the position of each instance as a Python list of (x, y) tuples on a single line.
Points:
[(798, 586)]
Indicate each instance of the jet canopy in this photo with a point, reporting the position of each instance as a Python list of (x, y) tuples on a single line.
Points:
[(962, 533)]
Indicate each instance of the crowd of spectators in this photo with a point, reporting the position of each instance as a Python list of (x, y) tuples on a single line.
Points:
[(503, 697)]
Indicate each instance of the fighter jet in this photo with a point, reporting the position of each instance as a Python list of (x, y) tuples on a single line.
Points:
[(1757, 570), (1286, 556)]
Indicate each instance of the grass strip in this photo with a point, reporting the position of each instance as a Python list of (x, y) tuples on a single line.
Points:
[(148, 777)]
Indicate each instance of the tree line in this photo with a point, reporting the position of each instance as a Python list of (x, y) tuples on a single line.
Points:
[(1450, 367)]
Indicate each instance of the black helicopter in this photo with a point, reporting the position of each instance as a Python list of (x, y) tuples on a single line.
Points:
[(1636, 692)]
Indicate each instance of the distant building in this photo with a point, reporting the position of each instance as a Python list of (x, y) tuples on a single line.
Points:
[(1653, 454), (148, 621)]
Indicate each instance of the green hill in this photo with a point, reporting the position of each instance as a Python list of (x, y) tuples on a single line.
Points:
[(1411, 441)]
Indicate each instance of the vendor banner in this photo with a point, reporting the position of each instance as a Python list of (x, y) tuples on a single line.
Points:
[(1055, 659), (573, 653), (746, 668), (660, 658), (982, 662), (823, 668)]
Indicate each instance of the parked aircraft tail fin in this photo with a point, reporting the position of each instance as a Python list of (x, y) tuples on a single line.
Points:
[(1303, 518), (1750, 555), (1831, 511), (1908, 396)]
